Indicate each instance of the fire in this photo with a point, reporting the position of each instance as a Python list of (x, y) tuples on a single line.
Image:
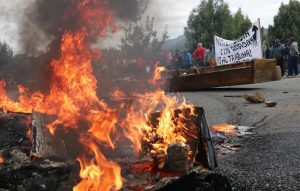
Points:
[(100, 174), (72, 96), (117, 93), (169, 129), (22, 89), (157, 74), (224, 128), (73, 99), (1, 160), (7, 103)]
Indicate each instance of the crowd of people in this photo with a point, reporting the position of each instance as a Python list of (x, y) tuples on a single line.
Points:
[(286, 55), (183, 59)]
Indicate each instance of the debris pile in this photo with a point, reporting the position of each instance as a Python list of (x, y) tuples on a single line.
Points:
[(28, 161), (226, 136), (20, 168)]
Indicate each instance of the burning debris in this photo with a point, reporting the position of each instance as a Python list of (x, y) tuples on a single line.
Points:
[(226, 136), (230, 130), (41, 166)]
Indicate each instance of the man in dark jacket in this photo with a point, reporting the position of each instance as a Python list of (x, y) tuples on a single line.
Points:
[(277, 52), (177, 60)]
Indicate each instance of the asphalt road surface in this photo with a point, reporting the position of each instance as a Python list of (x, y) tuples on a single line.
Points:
[(269, 159)]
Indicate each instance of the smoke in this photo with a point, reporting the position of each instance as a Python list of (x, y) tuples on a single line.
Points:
[(40, 28), (128, 9)]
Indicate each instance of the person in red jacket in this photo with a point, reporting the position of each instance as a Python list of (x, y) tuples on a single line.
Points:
[(199, 55)]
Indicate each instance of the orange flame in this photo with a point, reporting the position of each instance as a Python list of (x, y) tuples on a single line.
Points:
[(73, 98), (99, 173), (170, 128), (117, 93), (157, 74), (22, 89), (224, 128), (1, 160)]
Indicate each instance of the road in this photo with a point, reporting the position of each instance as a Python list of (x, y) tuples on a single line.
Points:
[(269, 159)]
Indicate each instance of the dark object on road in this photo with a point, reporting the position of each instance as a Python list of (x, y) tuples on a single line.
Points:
[(233, 96), (257, 98), (205, 181), (271, 103), (38, 175)]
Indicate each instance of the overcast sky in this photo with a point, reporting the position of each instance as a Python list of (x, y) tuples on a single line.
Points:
[(173, 13)]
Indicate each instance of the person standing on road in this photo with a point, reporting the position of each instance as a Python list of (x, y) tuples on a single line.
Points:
[(187, 59), (294, 53), (199, 55), (277, 52), (267, 52), (177, 60)]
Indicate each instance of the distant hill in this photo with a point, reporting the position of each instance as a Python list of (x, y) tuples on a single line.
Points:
[(174, 43)]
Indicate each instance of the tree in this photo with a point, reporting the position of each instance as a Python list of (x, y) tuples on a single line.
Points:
[(142, 40), (240, 24), (6, 54), (213, 17), (286, 22)]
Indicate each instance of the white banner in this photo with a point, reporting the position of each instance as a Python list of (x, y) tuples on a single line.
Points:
[(247, 47)]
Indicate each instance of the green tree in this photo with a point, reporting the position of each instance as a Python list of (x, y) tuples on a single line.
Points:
[(240, 24), (142, 40), (6, 53), (213, 17), (286, 22)]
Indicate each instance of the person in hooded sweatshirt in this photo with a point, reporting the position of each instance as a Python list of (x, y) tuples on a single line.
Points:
[(187, 59), (294, 54)]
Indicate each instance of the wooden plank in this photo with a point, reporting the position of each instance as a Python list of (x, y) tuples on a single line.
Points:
[(237, 76), (63, 145), (258, 71), (201, 70)]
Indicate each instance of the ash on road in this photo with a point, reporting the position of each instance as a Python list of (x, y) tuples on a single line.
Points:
[(269, 159)]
